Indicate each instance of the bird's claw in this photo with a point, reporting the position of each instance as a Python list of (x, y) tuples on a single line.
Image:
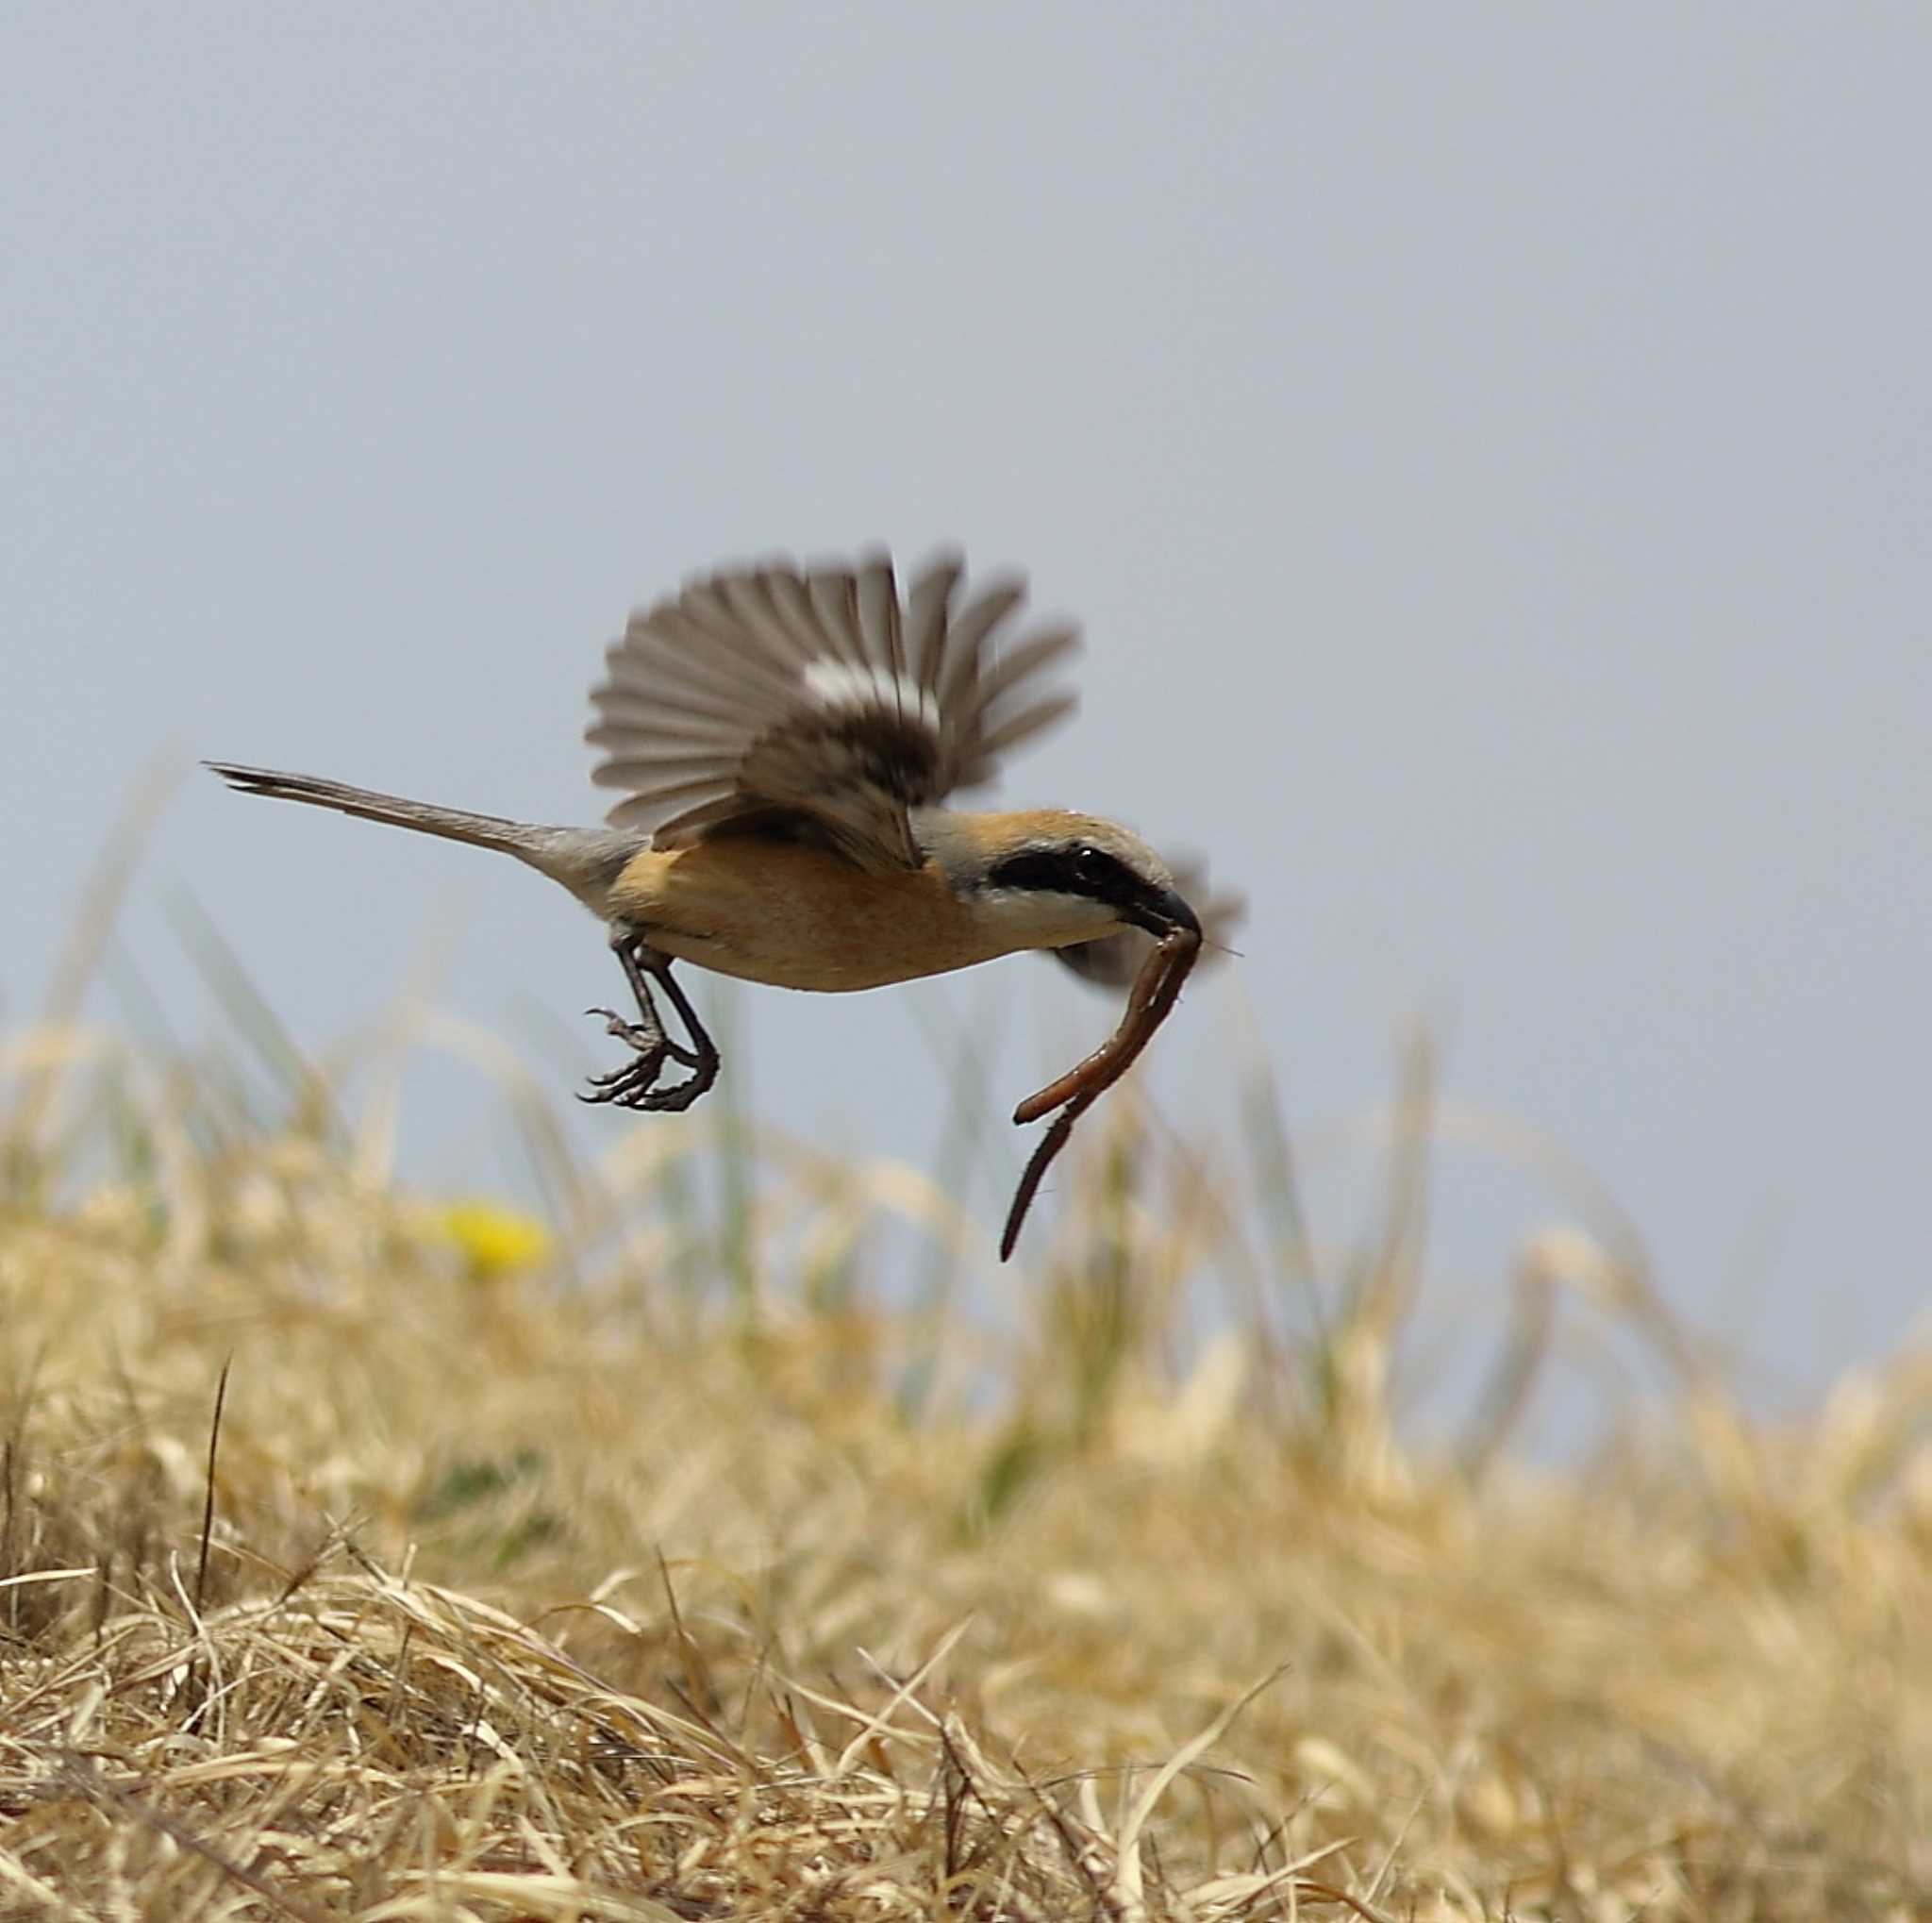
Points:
[(635, 1084)]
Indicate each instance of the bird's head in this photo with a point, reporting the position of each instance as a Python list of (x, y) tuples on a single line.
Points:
[(1047, 878)]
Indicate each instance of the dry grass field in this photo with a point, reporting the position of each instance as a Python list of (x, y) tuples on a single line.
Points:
[(675, 1559)]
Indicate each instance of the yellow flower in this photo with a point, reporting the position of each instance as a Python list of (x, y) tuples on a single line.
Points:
[(495, 1241)]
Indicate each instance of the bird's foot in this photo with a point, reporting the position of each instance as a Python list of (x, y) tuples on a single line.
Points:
[(651, 1039), (635, 1085)]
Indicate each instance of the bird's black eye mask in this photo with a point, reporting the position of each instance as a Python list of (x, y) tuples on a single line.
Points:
[(1079, 869)]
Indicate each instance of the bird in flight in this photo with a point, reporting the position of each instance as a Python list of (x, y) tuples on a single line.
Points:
[(782, 741)]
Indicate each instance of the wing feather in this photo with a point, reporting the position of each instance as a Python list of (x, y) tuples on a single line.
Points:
[(627, 718), (833, 597), (748, 599), (631, 682), (926, 627), (642, 787), (1027, 659), (1029, 721), (791, 602), (969, 633), (880, 633), (823, 695), (705, 683), (725, 659)]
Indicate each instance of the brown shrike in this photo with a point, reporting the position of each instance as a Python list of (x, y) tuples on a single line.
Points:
[(782, 741)]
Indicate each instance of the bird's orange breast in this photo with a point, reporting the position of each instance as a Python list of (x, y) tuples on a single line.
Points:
[(797, 916)]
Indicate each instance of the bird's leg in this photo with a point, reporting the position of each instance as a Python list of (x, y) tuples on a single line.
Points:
[(702, 1058), (635, 1085), (648, 1036)]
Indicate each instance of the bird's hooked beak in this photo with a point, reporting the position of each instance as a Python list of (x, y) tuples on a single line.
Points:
[(1160, 912)]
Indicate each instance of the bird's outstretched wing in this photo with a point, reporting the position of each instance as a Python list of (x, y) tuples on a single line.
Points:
[(1114, 961), (818, 693)]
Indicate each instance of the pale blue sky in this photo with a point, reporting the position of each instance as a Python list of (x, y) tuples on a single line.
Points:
[(1491, 452)]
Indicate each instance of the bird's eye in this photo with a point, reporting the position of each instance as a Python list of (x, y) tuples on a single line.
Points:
[(1091, 866)]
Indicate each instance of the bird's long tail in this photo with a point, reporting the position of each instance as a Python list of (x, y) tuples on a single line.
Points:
[(584, 860)]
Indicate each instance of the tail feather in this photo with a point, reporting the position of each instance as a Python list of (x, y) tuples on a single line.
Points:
[(584, 860), (453, 824)]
